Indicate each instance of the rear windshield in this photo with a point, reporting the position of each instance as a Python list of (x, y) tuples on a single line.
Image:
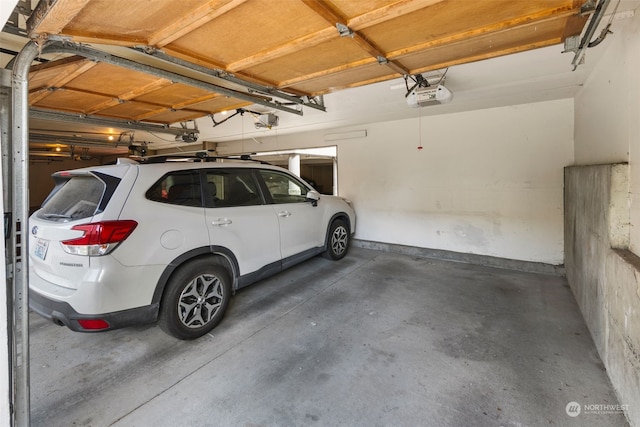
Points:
[(77, 198)]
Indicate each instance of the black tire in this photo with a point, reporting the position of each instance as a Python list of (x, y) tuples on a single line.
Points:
[(338, 240), (195, 299)]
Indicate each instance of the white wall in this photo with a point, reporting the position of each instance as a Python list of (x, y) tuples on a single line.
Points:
[(486, 182), (6, 7), (607, 120), (607, 282)]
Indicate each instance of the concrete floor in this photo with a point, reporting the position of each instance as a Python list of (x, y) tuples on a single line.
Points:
[(376, 339)]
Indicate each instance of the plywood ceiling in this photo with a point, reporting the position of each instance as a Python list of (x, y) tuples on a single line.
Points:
[(291, 45)]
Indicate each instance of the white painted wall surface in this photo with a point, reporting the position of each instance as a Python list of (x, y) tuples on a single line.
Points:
[(486, 182), (606, 283), (607, 120), (6, 7)]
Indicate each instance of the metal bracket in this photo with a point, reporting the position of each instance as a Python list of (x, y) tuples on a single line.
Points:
[(272, 121), (588, 7), (571, 44), (591, 29), (344, 31)]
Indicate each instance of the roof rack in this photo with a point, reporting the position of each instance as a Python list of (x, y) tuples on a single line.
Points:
[(200, 156)]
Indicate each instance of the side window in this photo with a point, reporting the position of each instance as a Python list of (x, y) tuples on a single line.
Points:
[(284, 188), (177, 188), (232, 187)]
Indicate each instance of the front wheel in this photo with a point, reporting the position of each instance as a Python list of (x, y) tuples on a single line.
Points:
[(195, 300), (337, 240)]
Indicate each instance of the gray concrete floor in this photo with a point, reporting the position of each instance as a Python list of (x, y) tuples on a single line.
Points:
[(376, 339)]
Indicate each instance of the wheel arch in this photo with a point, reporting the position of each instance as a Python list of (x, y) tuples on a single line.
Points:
[(339, 215), (219, 254)]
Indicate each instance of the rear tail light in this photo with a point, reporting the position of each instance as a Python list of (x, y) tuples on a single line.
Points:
[(99, 238)]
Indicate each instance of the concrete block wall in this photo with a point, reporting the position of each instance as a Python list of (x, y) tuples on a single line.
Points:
[(603, 274)]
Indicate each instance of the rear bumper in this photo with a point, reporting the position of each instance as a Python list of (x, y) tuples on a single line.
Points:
[(62, 313)]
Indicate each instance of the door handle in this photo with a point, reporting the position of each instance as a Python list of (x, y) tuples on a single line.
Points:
[(284, 214), (221, 221)]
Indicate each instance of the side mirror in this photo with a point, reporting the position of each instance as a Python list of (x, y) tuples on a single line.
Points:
[(313, 197)]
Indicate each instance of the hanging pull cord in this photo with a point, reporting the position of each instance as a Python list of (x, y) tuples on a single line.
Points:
[(605, 31), (601, 37)]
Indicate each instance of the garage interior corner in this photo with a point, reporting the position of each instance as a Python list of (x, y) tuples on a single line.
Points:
[(377, 338)]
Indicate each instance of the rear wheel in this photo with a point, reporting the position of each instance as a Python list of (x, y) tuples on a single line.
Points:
[(337, 240), (195, 299)]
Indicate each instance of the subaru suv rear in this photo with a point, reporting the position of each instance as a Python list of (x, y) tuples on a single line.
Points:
[(133, 243)]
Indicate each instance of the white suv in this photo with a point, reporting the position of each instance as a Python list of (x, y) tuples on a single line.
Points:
[(133, 243)]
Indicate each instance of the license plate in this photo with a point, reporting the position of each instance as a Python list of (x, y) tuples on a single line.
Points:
[(41, 249)]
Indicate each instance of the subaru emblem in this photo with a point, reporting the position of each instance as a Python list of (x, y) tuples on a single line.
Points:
[(34, 230)]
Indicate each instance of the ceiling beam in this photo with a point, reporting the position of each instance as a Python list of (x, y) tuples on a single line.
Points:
[(197, 60), (38, 95), (193, 116), (357, 23), (127, 96), (151, 113), (328, 14), (192, 20), (386, 13), (531, 20), (327, 72), (486, 55), (50, 17), (293, 46), (75, 67)]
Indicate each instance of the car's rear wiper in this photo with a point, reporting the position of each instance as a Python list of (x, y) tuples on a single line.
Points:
[(53, 215)]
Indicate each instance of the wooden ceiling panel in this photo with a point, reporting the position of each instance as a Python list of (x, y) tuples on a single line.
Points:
[(68, 100), (372, 73), (326, 58), (220, 103), (57, 73), (174, 116), (269, 26), (134, 110), (111, 80), (177, 95), (441, 23), (350, 9), (487, 46), (149, 113), (293, 45), (118, 21)]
